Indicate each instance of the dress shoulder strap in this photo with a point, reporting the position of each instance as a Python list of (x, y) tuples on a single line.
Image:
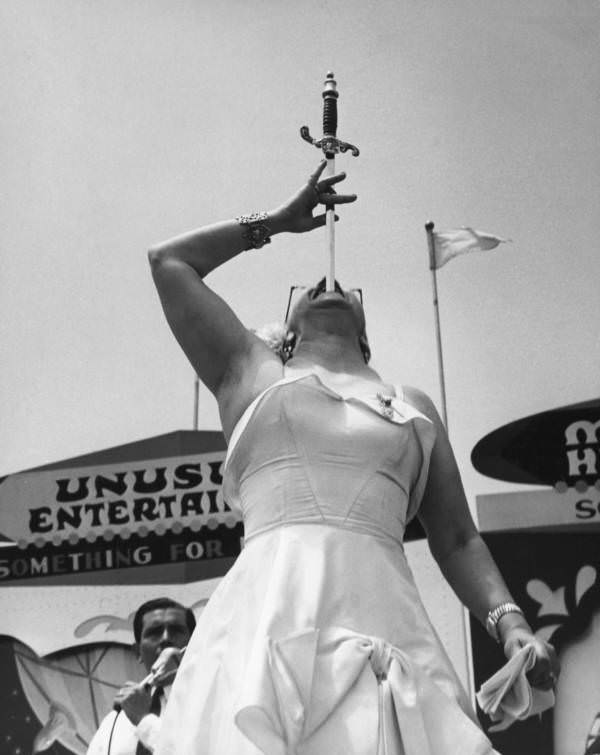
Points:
[(242, 422)]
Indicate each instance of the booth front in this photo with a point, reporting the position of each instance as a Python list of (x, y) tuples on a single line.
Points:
[(546, 541), (83, 543)]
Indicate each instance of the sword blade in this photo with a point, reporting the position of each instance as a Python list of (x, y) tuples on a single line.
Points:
[(330, 222)]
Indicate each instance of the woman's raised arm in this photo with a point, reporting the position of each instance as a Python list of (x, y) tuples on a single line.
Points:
[(206, 328), (226, 356)]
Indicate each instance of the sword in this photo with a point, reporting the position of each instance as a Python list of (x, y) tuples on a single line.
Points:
[(330, 145)]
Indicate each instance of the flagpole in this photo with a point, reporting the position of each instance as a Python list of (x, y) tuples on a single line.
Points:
[(438, 333), (196, 400), (466, 627)]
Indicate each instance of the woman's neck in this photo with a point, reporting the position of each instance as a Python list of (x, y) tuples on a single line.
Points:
[(331, 352)]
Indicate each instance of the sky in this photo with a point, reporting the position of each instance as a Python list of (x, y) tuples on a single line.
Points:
[(125, 123)]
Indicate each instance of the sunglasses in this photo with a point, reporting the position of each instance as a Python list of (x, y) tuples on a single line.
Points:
[(297, 292)]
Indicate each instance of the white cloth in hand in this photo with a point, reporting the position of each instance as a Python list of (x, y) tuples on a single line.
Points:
[(507, 696)]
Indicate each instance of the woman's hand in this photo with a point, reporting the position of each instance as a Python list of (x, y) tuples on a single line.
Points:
[(296, 215), (546, 668)]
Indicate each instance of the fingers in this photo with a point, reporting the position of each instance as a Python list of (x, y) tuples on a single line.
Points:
[(545, 682), (327, 183), (130, 687), (322, 184), (166, 677), (333, 198), (320, 190), (314, 177), (320, 220), (512, 647), (330, 180), (544, 674), (328, 196)]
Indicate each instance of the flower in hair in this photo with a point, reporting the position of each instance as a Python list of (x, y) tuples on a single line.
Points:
[(273, 334)]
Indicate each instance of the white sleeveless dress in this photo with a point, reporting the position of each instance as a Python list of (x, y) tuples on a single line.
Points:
[(316, 642)]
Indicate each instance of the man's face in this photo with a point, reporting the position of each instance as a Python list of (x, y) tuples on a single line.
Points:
[(162, 628)]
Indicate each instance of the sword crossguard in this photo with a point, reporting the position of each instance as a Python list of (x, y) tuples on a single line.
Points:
[(329, 142), (330, 145)]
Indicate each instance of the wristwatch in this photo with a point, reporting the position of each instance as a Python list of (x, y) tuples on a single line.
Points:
[(494, 616)]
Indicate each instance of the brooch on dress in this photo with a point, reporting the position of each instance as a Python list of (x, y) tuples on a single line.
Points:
[(385, 405)]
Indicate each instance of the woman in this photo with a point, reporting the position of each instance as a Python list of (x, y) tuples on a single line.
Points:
[(316, 642)]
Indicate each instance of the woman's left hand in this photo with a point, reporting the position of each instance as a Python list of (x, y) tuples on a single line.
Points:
[(296, 215), (546, 669)]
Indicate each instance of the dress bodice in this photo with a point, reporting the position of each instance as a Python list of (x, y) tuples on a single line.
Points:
[(302, 453)]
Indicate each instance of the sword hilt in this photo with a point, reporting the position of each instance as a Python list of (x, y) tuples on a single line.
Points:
[(329, 142), (330, 97)]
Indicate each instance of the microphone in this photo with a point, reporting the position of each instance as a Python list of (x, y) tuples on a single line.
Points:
[(165, 667), (162, 671)]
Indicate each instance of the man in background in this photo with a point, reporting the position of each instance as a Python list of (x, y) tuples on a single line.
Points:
[(132, 728)]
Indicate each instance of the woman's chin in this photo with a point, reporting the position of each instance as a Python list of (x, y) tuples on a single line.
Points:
[(330, 299)]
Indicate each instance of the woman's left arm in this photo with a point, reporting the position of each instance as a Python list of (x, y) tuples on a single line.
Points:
[(462, 555)]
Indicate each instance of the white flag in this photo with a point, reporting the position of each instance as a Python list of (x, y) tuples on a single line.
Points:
[(449, 244)]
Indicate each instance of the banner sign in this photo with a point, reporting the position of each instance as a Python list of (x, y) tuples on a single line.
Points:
[(559, 447), (76, 521), (91, 503), (87, 561), (539, 509)]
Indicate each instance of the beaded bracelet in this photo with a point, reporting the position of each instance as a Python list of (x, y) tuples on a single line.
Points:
[(256, 231)]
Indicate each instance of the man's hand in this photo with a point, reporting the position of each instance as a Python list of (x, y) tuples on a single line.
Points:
[(134, 699)]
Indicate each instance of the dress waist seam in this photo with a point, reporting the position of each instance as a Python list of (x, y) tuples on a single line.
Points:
[(332, 522)]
